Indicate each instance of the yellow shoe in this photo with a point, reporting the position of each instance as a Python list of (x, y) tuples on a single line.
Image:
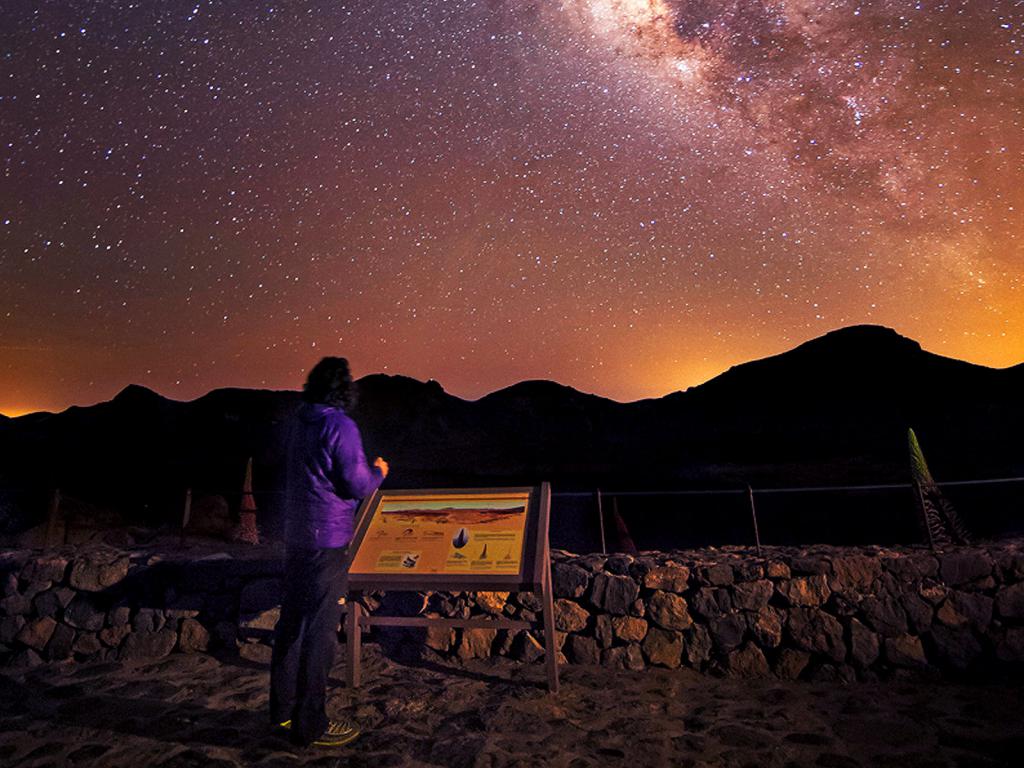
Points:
[(338, 734)]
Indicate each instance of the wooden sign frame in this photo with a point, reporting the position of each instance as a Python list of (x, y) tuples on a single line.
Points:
[(534, 575)]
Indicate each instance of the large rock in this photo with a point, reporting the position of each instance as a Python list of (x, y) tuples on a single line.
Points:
[(976, 607), (904, 651), (86, 644), (912, 567), (439, 638), (1010, 602), (193, 636), (13, 560), (748, 570), (477, 643), (718, 575), (884, 615), (668, 578), (264, 621), (623, 657), (113, 636), (492, 602), (614, 594), (25, 659), (16, 605), (569, 580), (697, 645), (619, 564), (710, 602), (37, 633), (804, 590), (864, 645), (95, 571), (527, 648), (747, 662), (964, 566), (119, 615), (10, 626), (52, 601), (919, 611), (48, 567), (854, 573), (766, 626), (570, 616), (933, 592), (790, 663), (604, 632), (1011, 565), (752, 595), (663, 648), (815, 565), (148, 645), (148, 620), (816, 631), (629, 628), (584, 650), (669, 610), (33, 588), (727, 631), (530, 601), (83, 613), (60, 644)]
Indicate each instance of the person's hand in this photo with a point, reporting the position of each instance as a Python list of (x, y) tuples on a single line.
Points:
[(382, 466)]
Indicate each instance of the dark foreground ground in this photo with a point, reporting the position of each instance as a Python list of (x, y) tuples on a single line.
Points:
[(198, 711)]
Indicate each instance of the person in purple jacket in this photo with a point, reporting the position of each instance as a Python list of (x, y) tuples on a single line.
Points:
[(326, 477)]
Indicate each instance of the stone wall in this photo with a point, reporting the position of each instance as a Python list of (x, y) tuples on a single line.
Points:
[(817, 613)]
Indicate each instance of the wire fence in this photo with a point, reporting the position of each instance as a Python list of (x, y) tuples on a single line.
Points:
[(599, 500), (612, 518)]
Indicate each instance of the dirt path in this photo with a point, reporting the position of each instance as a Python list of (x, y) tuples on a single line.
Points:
[(198, 711)]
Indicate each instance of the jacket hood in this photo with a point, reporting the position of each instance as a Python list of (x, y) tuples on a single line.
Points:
[(310, 412)]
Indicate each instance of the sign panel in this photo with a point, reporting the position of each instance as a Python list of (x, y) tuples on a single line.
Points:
[(450, 538), (445, 533), (453, 539)]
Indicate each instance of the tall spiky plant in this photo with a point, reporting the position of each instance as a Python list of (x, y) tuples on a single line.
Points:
[(937, 516)]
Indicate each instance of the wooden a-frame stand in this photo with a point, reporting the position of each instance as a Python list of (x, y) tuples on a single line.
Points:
[(534, 576)]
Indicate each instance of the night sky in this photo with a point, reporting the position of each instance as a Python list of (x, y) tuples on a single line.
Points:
[(627, 196)]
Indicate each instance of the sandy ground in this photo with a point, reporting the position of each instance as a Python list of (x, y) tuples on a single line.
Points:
[(199, 711)]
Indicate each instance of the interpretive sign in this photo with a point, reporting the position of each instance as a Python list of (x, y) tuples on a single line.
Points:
[(451, 540), (445, 533)]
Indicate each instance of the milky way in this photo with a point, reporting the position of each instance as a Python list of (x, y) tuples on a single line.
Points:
[(627, 196)]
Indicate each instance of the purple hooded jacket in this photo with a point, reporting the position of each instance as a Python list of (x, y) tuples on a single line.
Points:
[(327, 476)]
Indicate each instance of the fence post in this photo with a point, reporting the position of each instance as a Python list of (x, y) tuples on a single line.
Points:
[(600, 520), (51, 519), (753, 514), (186, 514)]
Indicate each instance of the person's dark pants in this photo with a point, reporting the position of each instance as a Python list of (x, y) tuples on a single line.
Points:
[(305, 640)]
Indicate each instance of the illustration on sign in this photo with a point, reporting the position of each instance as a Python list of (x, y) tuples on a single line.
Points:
[(445, 533)]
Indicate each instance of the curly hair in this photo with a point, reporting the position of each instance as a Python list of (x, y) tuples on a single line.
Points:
[(330, 382)]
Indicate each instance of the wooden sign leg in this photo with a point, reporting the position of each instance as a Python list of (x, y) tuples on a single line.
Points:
[(354, 638), (550, 645)]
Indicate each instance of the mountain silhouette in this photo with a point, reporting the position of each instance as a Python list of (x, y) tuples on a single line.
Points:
[(833, 410)]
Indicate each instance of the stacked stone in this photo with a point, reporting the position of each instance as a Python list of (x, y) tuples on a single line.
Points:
[(104, 604), (823, 613), (817, 613)]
